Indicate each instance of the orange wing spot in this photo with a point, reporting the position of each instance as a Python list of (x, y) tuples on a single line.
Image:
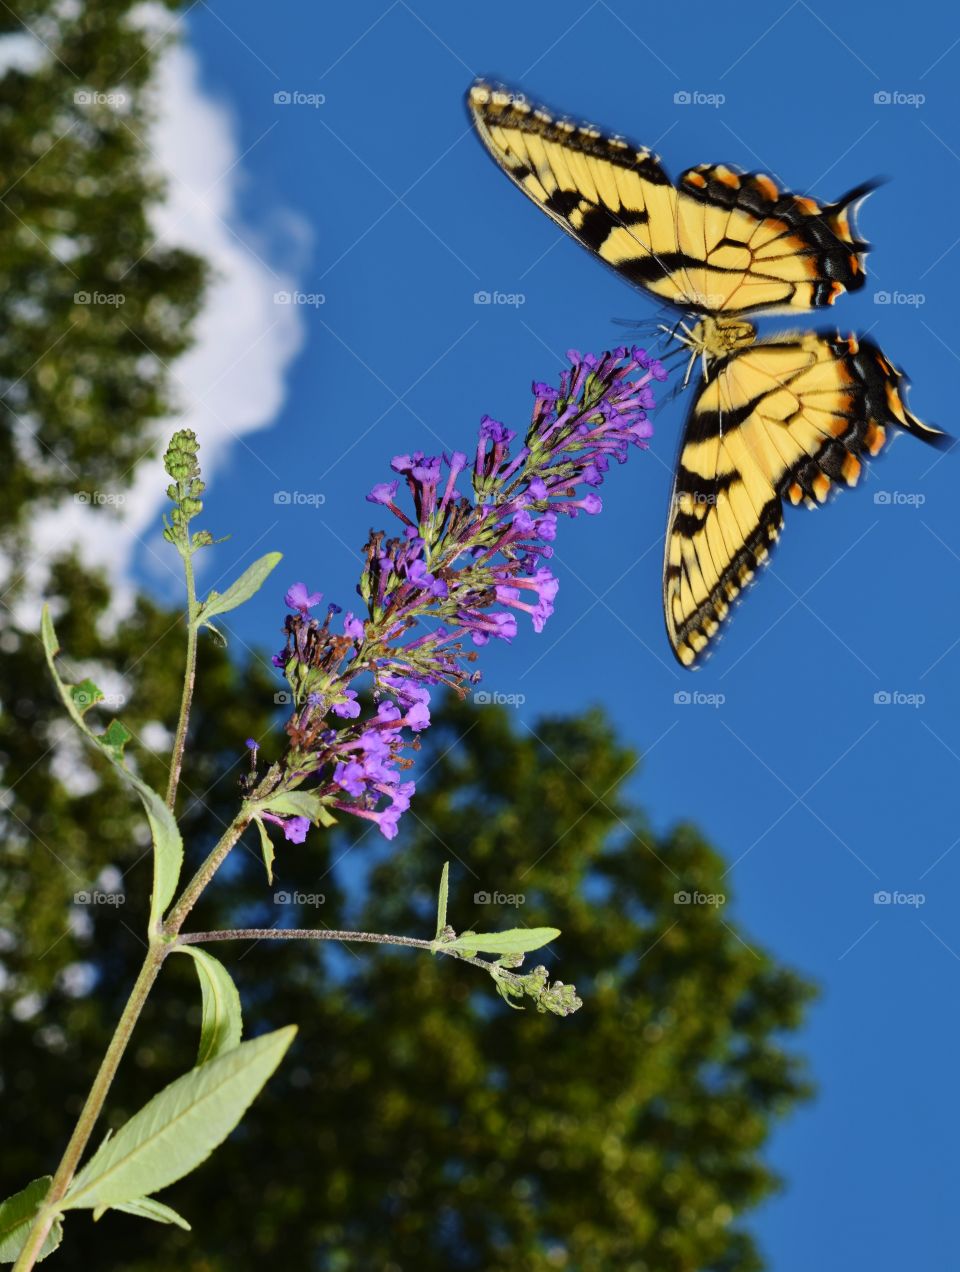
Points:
[(766, 186), (839, 425), (695, 179), (850, 470), (875, 437), (810, 207), (794, 494), (894, 402), (853, 344), (836, 289), (885, 366), (842, 223), (726, 177), (821, 486), (854, 263)]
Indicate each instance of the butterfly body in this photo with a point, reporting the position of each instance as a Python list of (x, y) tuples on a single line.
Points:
[(774, 420)]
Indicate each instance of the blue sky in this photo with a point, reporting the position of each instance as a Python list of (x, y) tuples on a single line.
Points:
[(819, 795)]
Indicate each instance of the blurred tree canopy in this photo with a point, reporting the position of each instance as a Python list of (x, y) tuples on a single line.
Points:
[(82, 376), (418, 1122)]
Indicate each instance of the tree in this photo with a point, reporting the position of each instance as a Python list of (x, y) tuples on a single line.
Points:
[(92, 309), (420, 1122)]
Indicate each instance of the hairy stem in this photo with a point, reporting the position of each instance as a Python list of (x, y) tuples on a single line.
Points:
[(91, 1109), (189, 678)]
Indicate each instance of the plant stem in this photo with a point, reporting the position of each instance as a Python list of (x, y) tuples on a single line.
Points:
[(159, 948), (190, 674), (191, 893), (91, 1109), (302, 934)]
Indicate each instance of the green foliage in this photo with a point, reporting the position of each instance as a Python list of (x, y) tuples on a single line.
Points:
[(17, 1214), (82, 377), (180, 1127), (221, 1025), (416, 1123)]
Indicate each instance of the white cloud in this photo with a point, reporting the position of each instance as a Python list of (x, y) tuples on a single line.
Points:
[(232, 380)]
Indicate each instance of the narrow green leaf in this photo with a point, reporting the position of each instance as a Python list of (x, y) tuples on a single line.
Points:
[(167, 844), (247, 585), (180, 1127), (442, 899), (147, 1208), (513, 941), (221, 1026), (16, 1217), (266, 847)]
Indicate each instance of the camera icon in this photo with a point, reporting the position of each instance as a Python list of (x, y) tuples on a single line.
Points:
[(881, 298), (481, 298), (881, 898), (881, 99), (282, 497), (882, 698), (681, 99), (482, 698), (682, 698), (82, 97), (282, 98), (82, 497), (881, 497), (81, 298), (481, 898), (81, 898), (681, 898), (283, 698), (282, 298), (281, 898)]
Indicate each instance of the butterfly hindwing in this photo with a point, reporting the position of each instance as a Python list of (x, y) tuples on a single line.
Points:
[(781, 420), (720, 241)]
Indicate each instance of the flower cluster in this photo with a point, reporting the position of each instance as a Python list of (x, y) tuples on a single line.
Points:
[(461, 570)]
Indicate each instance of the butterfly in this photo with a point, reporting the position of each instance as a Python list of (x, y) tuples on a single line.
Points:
[(774, 420)]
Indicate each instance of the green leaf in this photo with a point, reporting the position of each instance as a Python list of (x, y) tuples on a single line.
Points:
[(266, 846), (147, 1208), (180, 1127), (513, 941), (167, 844), (85, 695), (442, 899), (294, 804), (247, 585), (16, 1217), (221, 1026)]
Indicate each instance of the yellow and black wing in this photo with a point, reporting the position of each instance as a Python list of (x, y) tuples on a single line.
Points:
[(780, 420), (719, 241)]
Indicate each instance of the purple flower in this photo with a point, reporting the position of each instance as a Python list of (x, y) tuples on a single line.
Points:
[(294, 828), (298, 598), (460, 571)]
